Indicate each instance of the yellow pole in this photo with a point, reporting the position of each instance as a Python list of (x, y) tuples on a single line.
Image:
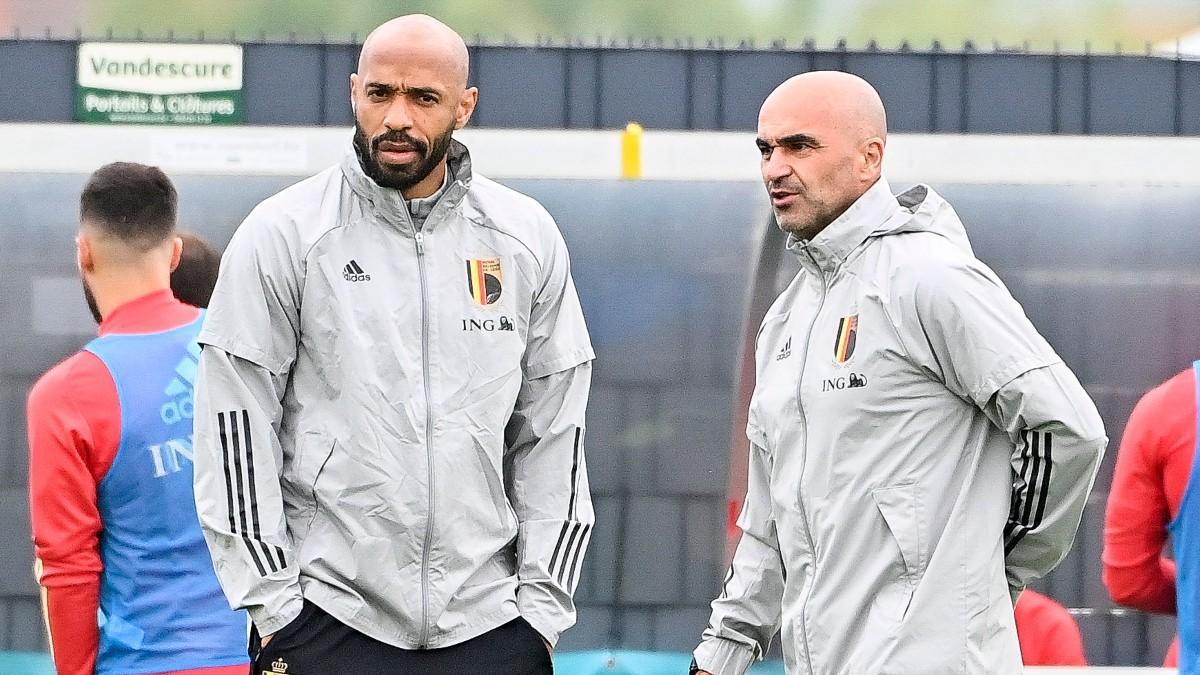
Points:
[(631, 151)]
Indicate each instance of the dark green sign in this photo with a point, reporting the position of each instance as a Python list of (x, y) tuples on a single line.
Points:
[(145, 83)]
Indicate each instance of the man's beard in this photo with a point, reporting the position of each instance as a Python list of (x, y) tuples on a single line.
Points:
[(808, 225), (91, 300), (399, 176)]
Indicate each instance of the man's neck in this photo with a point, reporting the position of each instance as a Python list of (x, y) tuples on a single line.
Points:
[(112, 293)]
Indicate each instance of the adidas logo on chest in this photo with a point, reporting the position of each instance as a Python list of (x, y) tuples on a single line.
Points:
[(786, 351), (352, 272)]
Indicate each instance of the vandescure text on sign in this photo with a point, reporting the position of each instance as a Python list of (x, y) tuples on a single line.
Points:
[(149, 67)]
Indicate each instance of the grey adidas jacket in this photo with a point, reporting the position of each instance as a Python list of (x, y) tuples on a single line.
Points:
[(919, 454), (390, 422)]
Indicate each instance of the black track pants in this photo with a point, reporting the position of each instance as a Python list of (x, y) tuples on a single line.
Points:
[(318, 644)]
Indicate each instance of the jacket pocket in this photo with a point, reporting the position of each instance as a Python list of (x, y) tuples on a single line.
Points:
[(320, 460), (900, 506), (311, 468)]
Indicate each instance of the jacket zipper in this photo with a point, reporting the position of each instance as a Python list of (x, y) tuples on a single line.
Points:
[(420, 243), (804, 457)]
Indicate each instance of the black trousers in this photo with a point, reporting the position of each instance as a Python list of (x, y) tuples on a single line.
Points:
[(318, 644)]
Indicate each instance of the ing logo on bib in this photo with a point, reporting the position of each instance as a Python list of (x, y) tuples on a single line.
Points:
[(484, 280)]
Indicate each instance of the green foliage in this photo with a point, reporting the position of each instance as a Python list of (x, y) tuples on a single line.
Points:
[(1009, 23)]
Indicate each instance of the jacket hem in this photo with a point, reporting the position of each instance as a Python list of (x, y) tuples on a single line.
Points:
[(543, 628), (269, 624), (331, 604)]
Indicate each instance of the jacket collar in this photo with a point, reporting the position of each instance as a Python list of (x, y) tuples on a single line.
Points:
[(389, 205), (830, 248)]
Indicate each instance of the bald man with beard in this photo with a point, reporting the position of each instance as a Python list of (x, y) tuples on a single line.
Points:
[(389, 451), (919, 453)]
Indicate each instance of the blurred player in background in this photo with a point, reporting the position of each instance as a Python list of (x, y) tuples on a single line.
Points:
[(1153, 498), (128, 582), (919, 452), (1048, 634), (193, 280), (390, 418)]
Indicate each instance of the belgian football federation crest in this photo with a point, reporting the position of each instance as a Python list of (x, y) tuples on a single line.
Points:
[(847, 334), (484, 280)]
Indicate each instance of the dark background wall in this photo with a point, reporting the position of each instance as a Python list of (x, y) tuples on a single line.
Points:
[(586, 88)]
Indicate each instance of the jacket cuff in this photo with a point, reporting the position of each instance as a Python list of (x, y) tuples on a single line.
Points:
[(723, 657), (268, 620), (548, 634), (538, 609)]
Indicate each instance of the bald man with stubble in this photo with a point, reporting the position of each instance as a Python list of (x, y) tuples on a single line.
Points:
[(389, 451), (919, 453)]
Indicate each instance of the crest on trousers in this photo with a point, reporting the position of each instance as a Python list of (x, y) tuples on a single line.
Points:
[(484, 280), (847, 335)]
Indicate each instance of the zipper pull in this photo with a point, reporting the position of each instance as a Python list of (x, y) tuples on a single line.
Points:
[(420, 243)]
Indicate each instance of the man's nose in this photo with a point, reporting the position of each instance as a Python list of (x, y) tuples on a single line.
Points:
[(774, 168), (398, 116)]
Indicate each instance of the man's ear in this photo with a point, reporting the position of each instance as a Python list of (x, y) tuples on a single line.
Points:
[(176, 252), (873, 157), (466, 106), (84, 255)]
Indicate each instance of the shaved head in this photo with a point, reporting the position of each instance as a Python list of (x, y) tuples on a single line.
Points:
[(822, 136), (418, 36), (828, 98), (409, 96)]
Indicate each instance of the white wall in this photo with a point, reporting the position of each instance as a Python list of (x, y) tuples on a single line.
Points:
[(671, 155)]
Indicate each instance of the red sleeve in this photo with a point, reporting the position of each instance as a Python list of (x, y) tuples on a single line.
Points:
[(74, 430), (1135, 524), (1171, 660), (1047, 632), (1062, 645)]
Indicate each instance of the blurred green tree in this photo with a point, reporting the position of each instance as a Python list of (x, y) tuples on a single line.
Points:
[(1008, 23)]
